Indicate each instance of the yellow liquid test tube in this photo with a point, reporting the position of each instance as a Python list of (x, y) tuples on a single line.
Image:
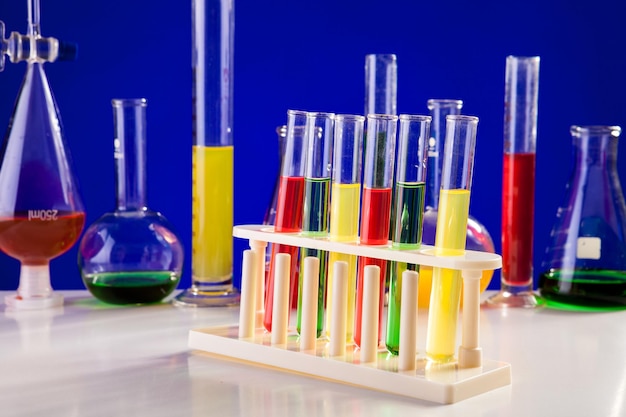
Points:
[(450, 236), (447, 283), (344, 226), (345, 202)]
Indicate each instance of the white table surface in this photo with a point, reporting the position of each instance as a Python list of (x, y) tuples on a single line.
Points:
[(90, 359)]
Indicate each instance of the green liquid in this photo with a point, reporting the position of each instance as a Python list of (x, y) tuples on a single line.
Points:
[(139, 287), (584, 289)]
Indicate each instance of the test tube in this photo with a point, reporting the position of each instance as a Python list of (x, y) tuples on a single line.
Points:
[(518, 183), (344, 208), (376, 203), (288, 205), (212, 157), (409, 210), (454, 199), (315, 215)]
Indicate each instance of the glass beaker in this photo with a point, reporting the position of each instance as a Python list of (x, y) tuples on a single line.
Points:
[(454, 200), (41, 210), (585, 263), (380, 146), (518, 184), (315, 208), (477, 236), (289, 205), (212, 157), (409, 209), (345, 198), (131, 255)]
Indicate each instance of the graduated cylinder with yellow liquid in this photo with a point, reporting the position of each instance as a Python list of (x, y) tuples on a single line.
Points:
[(212, 157), (456, 180)]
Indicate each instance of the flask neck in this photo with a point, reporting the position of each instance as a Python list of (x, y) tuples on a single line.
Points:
[(595, 147), (130, 153)]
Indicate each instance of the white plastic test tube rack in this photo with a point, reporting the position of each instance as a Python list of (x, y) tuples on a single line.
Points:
[(370, 366)]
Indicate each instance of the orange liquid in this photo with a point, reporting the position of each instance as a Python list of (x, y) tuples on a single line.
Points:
[(36, 241)]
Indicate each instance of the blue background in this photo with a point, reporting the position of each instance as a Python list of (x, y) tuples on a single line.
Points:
[(309, 55)]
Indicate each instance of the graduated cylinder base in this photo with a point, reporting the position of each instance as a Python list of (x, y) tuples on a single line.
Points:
[(521, 296), (203, 294)]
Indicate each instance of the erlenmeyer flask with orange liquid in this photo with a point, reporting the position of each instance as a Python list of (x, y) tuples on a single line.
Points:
[(478, 237), (41, 211)]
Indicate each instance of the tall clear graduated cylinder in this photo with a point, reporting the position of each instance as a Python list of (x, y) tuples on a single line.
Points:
[(212, 156), (454, 200), (518, 183)]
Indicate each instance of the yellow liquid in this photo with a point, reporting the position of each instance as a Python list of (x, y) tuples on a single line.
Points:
[(212, 214), (446, 283), (344, 227)]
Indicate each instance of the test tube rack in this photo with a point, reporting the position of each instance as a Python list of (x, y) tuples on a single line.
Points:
[(369, 366)]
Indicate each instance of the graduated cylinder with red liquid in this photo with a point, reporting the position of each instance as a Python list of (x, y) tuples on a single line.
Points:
[(380, 146), (518, 183), (288, 205)]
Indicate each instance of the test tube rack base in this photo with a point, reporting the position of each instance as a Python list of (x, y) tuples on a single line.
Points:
[(443, 383), (439, 383)]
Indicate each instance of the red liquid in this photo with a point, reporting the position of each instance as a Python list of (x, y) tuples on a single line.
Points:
[(46, 235), (288, 219), (375, 212), (518, 197)]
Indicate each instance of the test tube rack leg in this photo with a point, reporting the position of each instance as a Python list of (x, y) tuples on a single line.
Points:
[(409, 374)]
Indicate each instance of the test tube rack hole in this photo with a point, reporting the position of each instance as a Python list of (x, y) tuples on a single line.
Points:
[(445, 383)]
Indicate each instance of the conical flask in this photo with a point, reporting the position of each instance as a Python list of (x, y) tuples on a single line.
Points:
[(41, 211), (585, 263)]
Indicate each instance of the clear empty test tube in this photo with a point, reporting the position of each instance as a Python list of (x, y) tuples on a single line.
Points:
[(288, 205), (345, 199), (409, 210), (315, 214), (454, 198), (380, 146)]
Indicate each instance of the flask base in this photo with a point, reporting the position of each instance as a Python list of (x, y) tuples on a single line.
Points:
[(16, 302), (208, 296), (514, 297)]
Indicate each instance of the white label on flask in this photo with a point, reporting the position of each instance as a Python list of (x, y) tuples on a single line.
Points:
[(588, 248)]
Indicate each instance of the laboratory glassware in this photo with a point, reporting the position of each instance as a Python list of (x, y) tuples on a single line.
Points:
[(380, 147), (289, 205), (345, 207), (518, 183), (41, 209), (381, 84), (131, 255), (477, 236), (212, 157), (584, 265), (409, 210), (315, 208), (454, 200)]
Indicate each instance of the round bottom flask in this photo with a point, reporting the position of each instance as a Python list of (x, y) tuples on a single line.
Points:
[(131, 255)]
